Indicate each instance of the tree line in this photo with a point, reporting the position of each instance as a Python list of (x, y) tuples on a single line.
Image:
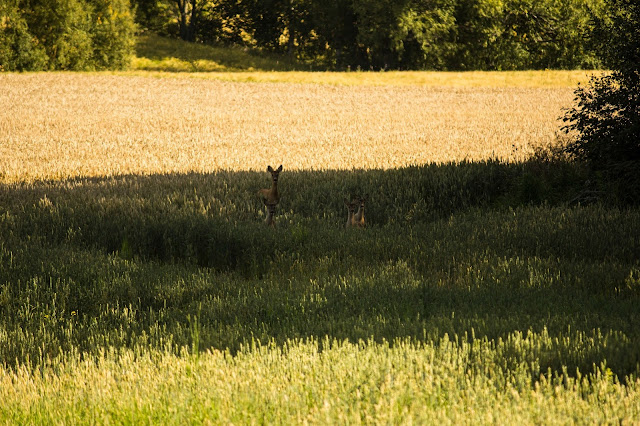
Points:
[(325, 34), (391, 34)]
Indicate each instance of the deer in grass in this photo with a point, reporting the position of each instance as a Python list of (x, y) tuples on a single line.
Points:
[(351, 208), (271, 212), (358, 217), (271, 195)]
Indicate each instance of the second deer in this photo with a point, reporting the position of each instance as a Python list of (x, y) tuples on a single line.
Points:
[(351, 208), (358, 217)]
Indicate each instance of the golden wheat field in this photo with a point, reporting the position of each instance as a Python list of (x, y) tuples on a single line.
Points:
[(59, 125)]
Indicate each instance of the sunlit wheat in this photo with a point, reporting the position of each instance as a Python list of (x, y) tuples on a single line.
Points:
[(66, 125)]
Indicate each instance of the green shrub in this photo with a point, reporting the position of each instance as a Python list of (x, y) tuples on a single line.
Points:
[(606, 117)]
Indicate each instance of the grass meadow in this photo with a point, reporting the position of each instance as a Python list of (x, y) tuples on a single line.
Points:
[(139, 284)]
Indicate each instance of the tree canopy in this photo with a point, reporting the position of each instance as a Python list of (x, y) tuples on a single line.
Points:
[(325, 34), (391, 34)]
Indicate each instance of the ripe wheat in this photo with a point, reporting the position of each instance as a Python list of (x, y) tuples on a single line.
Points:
[(59, 125)]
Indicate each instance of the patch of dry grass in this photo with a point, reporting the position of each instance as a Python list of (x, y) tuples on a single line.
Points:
[(59, 125), (502, 79)]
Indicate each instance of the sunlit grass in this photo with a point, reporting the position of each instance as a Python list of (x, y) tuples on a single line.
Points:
[(318, 383)]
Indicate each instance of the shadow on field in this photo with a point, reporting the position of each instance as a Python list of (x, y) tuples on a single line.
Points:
[(484, 249), (216, 219)]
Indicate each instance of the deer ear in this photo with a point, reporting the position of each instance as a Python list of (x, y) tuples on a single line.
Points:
[(279, 168), (269, 169)]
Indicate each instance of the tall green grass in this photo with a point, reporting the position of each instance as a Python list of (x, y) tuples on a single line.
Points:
[(320, 382), (475, 294)]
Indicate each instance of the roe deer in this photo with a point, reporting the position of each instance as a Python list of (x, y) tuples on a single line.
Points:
[(351, 208), (271, 195), (358, 217), (271, 212)]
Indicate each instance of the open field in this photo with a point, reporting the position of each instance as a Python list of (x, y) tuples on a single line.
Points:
[(68, 125), (138, 283)]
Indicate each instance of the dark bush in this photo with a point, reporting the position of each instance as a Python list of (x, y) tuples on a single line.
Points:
[(606, 117)]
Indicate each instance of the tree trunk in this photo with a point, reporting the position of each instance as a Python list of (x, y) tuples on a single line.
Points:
[(291, 43), (292, 31), (188, 17), (193, 24)]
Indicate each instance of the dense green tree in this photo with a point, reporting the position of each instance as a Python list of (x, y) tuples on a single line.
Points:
[(422, 36), (65, 34), (376, 20), (267, 20), (338, 34), (523, 34), (606, 117), (399, 34), (404, 34), (254, 23), (63, 28), (19, 49), (563, 43), (112, 33), (478, 31), (335, 22)]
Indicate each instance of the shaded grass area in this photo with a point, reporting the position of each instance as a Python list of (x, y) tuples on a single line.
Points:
[(156, 53), (483, 251)]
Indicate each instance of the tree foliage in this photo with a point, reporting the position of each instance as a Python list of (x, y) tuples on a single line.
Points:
[(19, 50), (606, 117), (524, 34), (65, 34), (112, 33), (333, 34), (398, 34)]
